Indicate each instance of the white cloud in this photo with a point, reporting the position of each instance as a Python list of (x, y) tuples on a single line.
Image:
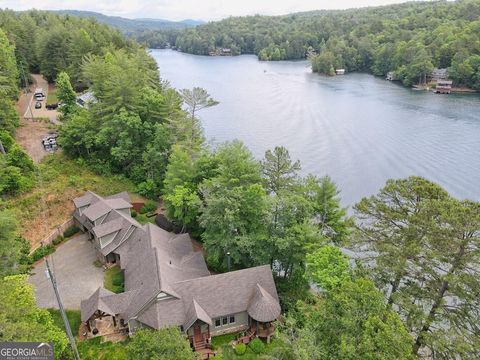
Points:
[(193, 9)]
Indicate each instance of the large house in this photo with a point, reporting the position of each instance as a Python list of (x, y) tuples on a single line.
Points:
[(167, 282)]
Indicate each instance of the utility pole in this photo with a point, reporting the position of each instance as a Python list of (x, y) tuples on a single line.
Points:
[(62, 312)]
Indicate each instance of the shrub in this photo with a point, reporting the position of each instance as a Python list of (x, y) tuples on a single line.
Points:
[(257, 346), (41, 252), (149, 206), (240, 349), (117, 279), (133, 213), (72, 230), (58, 240)]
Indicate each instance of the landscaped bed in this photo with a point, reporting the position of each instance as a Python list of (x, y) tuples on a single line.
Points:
[(114, 279), (225, 351)]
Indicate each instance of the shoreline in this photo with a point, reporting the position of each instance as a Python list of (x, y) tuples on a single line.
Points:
[(455, 90)]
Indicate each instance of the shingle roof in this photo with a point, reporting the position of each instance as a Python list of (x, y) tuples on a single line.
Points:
[(156, 261), (194, 313), (97, 210), (121, 195), (94, 303), (83, 200), (118, 204), (263, 307), (227, 293), (108, 227)]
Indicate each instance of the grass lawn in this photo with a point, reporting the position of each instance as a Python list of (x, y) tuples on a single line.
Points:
[(144, 219), (50, 202), (91, 349), (226, 352), (52, 96), (94, 349), (73, 317), (114, 279)]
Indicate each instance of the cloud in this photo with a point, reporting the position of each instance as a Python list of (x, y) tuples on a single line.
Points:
[(194, 9)]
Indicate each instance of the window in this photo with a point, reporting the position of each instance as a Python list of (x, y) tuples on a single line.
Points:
[(224, 320)]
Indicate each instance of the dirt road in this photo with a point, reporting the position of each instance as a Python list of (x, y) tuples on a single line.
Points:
[(34, 123)]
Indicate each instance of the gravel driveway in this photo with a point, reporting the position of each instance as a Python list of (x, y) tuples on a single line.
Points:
[(77, 277)]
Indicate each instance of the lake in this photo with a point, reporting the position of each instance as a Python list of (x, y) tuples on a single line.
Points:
[(358, 129)]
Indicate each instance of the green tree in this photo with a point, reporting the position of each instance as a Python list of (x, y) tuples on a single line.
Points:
[(196, 100), (328, 267), (13, 249), (163, 344), (8, 68), (424, 244), (279, 170), (235, 208), (185, 204), (22, 320), (350, 322), (331, 218), (65, 93)]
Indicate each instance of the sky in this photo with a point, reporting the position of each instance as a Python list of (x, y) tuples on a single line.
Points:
[(190, 9)]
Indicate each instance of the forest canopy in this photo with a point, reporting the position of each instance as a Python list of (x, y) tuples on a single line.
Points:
[(409, 39)]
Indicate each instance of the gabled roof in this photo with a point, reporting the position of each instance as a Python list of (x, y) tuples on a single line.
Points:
[(105, 301), (97, 210), (108, 227), (194, 313), (83, 200), (157, 262), (118, 204), (227, 293), (94, 303)]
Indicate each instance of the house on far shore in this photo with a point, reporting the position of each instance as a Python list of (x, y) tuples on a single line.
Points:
[(167, 282), (391, 76), (340, 71), (443, 87), (438, 74)]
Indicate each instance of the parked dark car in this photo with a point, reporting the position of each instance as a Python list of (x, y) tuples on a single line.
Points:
[(51, 106), (38, 105)]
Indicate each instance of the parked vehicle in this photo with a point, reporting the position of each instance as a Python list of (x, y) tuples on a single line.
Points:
[(51, 106), (38, 105), (49, 142)]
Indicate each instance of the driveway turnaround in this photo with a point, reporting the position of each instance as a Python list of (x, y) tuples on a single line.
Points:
[(77, 277)]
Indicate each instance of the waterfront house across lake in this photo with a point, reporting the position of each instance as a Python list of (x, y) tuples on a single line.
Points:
[(443, 87), (167, 282)]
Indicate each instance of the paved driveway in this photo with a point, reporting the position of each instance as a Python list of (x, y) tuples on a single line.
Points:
[(77, 277)]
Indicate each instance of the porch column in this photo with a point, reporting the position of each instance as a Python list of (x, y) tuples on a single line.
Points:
[(114, 321)]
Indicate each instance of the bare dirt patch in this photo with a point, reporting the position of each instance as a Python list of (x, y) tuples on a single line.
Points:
[(30, 134), (34, 123)]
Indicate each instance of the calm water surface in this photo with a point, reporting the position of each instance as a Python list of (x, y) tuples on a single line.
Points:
[(358, 129)]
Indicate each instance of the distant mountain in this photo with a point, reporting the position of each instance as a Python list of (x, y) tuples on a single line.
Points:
[(131, 25)]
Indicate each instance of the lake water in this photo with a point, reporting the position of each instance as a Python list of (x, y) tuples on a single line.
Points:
[(358, 129)]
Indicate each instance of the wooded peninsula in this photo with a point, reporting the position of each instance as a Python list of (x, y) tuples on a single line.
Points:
[(409, 39)]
